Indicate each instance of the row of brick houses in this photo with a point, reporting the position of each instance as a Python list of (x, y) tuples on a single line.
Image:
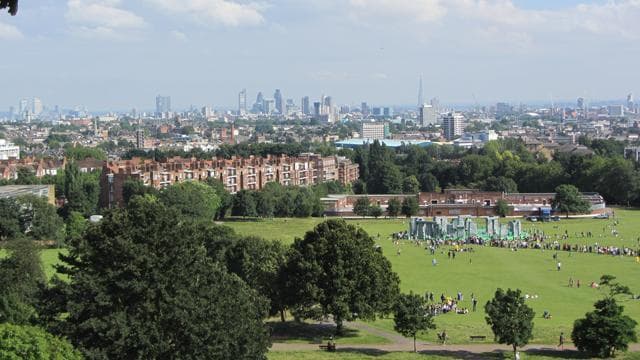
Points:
[(251, 173), (454, 202)]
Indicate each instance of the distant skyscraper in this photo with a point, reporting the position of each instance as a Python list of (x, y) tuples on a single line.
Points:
[(453, 125), (420, 93), (503, 109), (37, 106), (387, 112), (328, 105), (317, 109), (24, 106), (258, 107), (428, 115), (140, 139), (630, 103), (163, 105), (242, 102), (364, 109), (268, 106), (306, 105), (277, 96), (580, 103), (616, 110)]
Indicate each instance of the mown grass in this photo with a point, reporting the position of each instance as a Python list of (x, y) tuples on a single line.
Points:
[(435, 355), (482, 271)]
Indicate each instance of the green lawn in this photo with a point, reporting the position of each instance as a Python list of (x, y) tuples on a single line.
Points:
[(370, 354), (307, 332), (481, 272)]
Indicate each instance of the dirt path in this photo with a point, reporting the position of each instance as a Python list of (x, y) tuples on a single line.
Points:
[(402, 344)]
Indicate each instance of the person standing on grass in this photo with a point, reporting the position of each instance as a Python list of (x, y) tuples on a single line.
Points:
[(561, 342), (559, 265), (475, 303)]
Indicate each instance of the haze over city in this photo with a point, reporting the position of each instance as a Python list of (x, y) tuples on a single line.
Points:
[(113, 54)]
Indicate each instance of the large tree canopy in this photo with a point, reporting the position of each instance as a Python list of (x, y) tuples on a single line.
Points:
[(337, 270), (141, 286), (511, 320), (27, 342)]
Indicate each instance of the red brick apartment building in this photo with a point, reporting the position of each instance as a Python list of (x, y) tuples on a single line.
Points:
[(454, 202), (251, 173)]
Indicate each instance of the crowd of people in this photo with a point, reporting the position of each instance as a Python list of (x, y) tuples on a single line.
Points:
[(449, 304)]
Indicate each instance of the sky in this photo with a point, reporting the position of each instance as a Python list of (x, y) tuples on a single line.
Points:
[(120, 54)]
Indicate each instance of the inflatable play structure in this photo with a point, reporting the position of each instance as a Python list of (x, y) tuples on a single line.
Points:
[(464, 228)]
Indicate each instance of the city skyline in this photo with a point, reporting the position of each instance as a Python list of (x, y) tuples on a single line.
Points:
[(111, 54)]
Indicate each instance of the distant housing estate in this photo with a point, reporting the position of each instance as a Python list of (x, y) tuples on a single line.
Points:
[(251, 173)]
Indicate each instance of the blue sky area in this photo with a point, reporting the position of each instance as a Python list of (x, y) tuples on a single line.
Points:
[(117, 54)]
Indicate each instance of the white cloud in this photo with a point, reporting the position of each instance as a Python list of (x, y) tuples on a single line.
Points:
[(406, 10), (178, 35), (619, 18), (219, 12), (9, 32), (102, 18)]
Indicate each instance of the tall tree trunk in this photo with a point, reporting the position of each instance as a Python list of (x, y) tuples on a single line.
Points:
[(414, 343), (282, 315), (339, 328), (515, 350)]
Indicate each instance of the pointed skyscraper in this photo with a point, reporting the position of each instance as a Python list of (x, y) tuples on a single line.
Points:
[(420, 94)]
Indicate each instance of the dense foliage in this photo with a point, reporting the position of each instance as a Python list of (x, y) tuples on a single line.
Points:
[(142, 286), (511, 320), (337, 270), (411, 316), (32, 343)]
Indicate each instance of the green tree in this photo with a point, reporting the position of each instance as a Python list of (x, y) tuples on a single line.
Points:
[(226, 200), (192, 199), (141, 285), (375, 211), (39, 219), (394, 207), (21, 275), (359, 187), (81, 191), (569, 200), (32, 343), (604, 330), (135, 187), (410, 206), (258, 262), (428, 182), (9, 219), (244, 204), (303, 203), (411, 316), (336, 270), (500, 184), (361, 206), (410, 185), (265, 204), (511, 320), (502, 208), (75, 227)]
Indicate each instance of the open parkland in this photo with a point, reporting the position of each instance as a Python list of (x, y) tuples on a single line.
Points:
[(480, 272)]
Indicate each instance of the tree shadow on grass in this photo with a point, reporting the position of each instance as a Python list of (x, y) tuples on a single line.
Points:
[(305, 332), (503, 355)]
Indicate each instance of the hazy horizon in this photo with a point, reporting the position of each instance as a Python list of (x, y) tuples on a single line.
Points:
[(114, 55)]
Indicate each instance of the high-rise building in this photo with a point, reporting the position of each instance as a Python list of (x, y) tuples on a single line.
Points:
[(306, 106), (163, 105), (277, 96), (290, 107), (23, 107), (258, 106), (580, 103), (503, 109), (268, 106), (630, 103), (373, 131), (364, 109), (140, 139), (387, 111), (616, 110), (317, 109), (327, 105), (420, 93), (453, 125), (37, 107), (428, 115), (242, 102)]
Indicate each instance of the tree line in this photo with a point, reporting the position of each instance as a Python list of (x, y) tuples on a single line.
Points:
[(502, 165)]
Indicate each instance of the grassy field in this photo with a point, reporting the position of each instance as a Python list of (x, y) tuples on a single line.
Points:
[(482, 271), (364, 355)]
